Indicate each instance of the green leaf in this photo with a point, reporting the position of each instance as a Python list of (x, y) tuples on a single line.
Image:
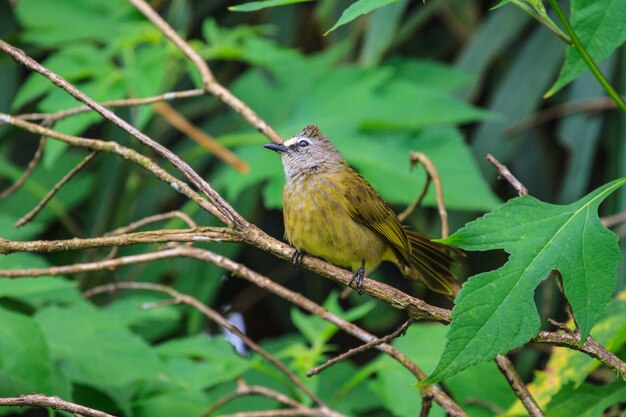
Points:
[(586, 400), (25, 363), (151, 323), (495, 311), (600, 27), (59, 22), (358, 8), (258, 5), (178, 403), (39, 291), (200, 362), (95, 350)]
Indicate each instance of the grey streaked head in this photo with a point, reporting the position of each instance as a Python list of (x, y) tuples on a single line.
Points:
[(308, 152)]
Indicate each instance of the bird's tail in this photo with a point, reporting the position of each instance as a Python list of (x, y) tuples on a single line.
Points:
[(432, 263)]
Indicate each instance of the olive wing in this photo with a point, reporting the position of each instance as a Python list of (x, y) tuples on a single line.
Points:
[(368, 208)]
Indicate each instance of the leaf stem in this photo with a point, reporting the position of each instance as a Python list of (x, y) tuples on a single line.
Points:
[(585, 56)]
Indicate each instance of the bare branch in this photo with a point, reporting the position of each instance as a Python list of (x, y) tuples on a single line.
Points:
[(227, 214), (592, 105), (506, 174), (614, 220), (181, 123), (153, 219), (127, 102), (521, 391), (591, 347), (43, 401), (200, 234), (307, 412), (400, 331), (29, 170), (421, 158), (245, 390), (210, 83), (427, 404), (31, 214), (122, 151)]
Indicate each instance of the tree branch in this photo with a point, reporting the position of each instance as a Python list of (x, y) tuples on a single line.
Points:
[(43, 401), (210, 83), (227, 214)]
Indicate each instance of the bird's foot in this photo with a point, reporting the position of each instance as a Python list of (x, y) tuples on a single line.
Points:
[(296, 258), (358, 277)]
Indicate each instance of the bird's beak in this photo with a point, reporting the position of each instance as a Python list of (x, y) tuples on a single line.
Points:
[(278, 147)]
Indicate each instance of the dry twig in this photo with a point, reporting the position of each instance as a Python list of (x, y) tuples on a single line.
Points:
[(520, 389), (210, 83), (506, 174), (127, 102), (31, 214), (181, 123), (225, 212), (43, 401), (28, 171), (421, 158), (244, 390), (369, 345)]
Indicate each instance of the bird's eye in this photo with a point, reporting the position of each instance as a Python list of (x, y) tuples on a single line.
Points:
[(303, 143)]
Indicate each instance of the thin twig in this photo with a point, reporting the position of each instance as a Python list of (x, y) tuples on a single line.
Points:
[(615, 219), (506, 174), (122, 151), (591, 347), (210, 83), (199, 234), (31, 214), (421, 158), (246, 390), (521, 391), (416, 203), (29, 169), (226, 213), (153, 219), (127, 102), (307, 412), (427, 404), (217, 318), (400, 331), (591, 105), (43, 401), (208, 142)]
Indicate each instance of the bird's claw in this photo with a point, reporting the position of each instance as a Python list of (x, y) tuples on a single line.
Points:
[(296, 258), (358, 277)]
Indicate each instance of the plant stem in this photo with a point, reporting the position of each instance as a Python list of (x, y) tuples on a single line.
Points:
[(585, 56)]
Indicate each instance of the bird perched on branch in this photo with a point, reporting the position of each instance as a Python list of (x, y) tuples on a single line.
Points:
[(331, 212)]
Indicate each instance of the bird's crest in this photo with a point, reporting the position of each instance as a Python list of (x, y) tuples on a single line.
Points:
[(313, 132)]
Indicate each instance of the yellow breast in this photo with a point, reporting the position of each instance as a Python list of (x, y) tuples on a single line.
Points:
[(318, 222)]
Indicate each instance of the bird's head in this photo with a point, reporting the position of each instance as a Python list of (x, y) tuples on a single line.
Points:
[(308, 151)]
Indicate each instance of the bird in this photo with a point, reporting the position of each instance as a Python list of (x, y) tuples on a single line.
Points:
[(330, 211)]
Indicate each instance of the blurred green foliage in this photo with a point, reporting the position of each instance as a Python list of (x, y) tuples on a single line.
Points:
[(381, 78)]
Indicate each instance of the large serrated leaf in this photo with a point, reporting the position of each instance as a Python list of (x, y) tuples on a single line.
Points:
[(495, 311)]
